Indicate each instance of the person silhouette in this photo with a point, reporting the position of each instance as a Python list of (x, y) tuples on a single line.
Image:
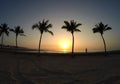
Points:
[(86, 50)]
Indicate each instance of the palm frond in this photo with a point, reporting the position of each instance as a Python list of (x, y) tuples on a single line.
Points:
[(101, 28), (96, 26), (4, 25), (35, 26), (72, 22), (67, 23), (108, 28), (43, 21), (101, 24), (7, 33), (95, 30), (21, 31), (18, 31), (64, 27), (48, 26), (77, 30), (46, 22), (50, 32), (43, 26), (4, 29), (12, 30), (71, 26), (78, 25)]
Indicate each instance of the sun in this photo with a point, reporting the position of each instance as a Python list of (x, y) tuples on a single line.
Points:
[(64, 45)]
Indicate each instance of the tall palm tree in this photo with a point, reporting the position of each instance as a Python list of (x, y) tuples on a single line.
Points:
[(71, 27), (101, 28), (4, 29), (42, 26), (18, 31)]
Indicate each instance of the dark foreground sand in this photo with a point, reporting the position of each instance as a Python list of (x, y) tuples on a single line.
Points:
[(24, 68)]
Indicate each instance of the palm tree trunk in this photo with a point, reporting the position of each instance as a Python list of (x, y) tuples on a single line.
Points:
[(104, 44), (2, 40), (72, 44), (16, 41), (40, 42)]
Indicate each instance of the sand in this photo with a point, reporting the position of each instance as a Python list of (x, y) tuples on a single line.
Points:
[(30, 68)]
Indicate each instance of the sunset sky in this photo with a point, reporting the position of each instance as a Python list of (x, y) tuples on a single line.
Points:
[(88, 12)]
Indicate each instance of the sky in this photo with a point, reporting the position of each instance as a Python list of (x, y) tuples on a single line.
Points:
[(87, 12)]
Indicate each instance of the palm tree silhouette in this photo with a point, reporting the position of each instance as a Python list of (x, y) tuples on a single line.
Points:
[(42, 26), (101, 28), (18, 31), (71, 27), (4, 29)]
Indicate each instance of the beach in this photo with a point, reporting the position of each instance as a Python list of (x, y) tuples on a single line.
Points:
[(53, 68)]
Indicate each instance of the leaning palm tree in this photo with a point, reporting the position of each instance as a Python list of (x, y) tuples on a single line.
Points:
[(101, 28), (71, 27), (4, 29), (18, 31), (42, 26)]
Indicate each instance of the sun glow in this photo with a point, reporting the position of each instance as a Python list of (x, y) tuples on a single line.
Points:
[(64, 45)]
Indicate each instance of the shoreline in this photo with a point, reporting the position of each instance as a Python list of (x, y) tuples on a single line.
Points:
[(35, 52)]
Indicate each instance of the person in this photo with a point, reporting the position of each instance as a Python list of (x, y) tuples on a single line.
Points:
[(86, 50)]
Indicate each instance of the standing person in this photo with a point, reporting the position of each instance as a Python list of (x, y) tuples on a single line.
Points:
[(86, 50)]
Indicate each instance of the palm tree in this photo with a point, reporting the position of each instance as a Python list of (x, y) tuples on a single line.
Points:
[(42, 26), (18, 31), (71, 27), (4, 29), (101, 28)]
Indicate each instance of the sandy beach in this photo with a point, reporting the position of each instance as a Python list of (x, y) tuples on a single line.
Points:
[(31, 68)]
